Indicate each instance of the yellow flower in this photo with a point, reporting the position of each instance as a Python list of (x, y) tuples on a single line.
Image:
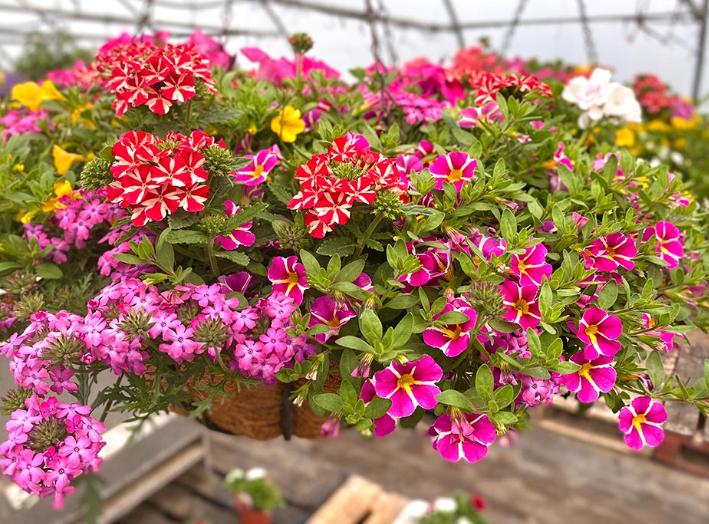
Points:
[(288, 124), (61, 189), (680, 144), (26, 216), (681, 124), (658, 125), (252, 130), (624, 138), (63, 160), (31, 95), (76, 116)]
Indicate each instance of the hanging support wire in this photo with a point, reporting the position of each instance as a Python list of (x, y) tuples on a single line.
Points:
[(701, 45), (591, 52), (227, 17), (146, 18), (379, 67), (280, 26), (454, 23), (507, 41)]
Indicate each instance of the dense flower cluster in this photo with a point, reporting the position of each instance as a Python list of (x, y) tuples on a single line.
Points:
[(654, 97), (141, 73), (332, 183), (155, 177), (49, 444), (20, 122)]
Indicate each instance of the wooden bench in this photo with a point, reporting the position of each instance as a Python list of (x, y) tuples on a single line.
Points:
[(686, 443), (360, 501)]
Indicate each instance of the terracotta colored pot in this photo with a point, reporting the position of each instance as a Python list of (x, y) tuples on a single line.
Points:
[(248, 515)]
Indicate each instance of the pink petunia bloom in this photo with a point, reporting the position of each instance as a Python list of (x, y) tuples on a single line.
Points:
[(531, 267), (241, 236), (594, 377), (607, 253), (641, 422), (599, 331), (465, 436), (383, 425), (333, 314), (452, 339), (455, 168), (409, 385), (521, 303), (488, 112), (667, 338), (288, 277), (259, 168), (669, 244)]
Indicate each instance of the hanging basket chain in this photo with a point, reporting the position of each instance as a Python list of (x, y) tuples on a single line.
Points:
[(591, 53), (507, 41)]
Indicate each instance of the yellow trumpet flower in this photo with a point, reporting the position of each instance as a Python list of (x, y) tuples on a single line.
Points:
[(32, 95), (63, 160), (61, 189), (288, 124)]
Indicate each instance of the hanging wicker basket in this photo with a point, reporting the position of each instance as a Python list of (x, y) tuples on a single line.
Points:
[(262, 412)]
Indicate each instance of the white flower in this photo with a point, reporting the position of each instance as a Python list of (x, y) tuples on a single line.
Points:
[(234, 474), (589, 93), (622, 103), (255, 474), (676, 157), (413, 512), (445, 505), (463, 520)]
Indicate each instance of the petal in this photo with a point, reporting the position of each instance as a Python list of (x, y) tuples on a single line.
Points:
[(401, 404), (474, 451), (425, 395)]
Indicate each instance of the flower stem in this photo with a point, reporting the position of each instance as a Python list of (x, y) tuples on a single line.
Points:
[(368, 234), (109, 404), (212, 259)]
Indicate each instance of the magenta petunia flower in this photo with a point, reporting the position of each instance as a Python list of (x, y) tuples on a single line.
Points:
[(607, 253), (521, 303), (465, 436), (383, 425), (599, 331), (455, 168), (435, 262), (669, 244), (531, 267), (241, 236), (334, 314), (488, 112), (409, 385), (594, 377), (641, 422), (452, 339), (288, 277), (258, 169)]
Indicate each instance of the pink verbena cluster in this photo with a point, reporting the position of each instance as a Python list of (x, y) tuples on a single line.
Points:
[(141, 73), (21, 122), (119, 271), (49, 444)]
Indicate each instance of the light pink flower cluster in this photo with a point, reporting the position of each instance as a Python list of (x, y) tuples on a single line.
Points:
[(49, 444), (21, 122)]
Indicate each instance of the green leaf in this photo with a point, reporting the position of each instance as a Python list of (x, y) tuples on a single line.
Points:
[(164, 252), (354, 343), (504, 417), (329, 401), (312, 266), (484, 381), (565, 367), (348, 288), (9, 266), (453, 317), (371, 326), (608, 295), (342, 246), (508, 225), (536, 372), (348, 362), (318, 329), (403, 331), (127, 258), (377, 408), (402, 302), (452, 397), (186, 236), (240, 258), (655, 369), (244, 215), (348, 393), (533, 342), (706, 371), (351, 271), (48, 271)]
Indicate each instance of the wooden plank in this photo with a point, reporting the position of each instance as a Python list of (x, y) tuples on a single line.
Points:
[(387, 508), (145, 514), (184, 505), (350, 504)]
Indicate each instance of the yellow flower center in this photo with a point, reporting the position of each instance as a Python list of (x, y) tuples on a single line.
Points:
[(258, 171), (406, 381), (522, 305), (453, 334), (293, 277), (592, 330), (638, 420), (585, 369), (455, 175)]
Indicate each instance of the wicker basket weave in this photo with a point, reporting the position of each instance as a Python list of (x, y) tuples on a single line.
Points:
[(262, 412)]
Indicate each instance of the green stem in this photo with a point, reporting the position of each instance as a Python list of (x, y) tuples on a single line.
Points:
[(212, 259), (109, 404), (368, 234), (299, 71)]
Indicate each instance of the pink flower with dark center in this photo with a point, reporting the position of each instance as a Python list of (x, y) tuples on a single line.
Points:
[(607, 253), (641, 422), (241, 236), (521, 303), (531, 267), (594, 377), (258, 169), (599, 331), (334, 314), (669, 244), (409, 385), (383, 425), (452, 339), (435, 262), (288, 277), (466, 436), (455, 168)]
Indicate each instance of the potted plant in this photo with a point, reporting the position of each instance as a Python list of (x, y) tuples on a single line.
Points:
[(294, 253), (458, 509), (255, 495)]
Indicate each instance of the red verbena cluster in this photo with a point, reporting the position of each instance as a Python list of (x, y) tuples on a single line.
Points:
[(157, 176), (489, 84), (472, 59), (349, 173), (140, 73), (652, 94)]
